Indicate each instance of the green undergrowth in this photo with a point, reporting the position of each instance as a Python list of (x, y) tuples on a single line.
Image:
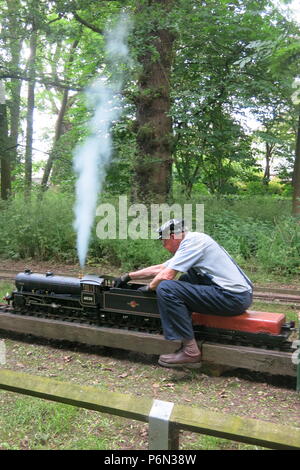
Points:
[(258, 231)]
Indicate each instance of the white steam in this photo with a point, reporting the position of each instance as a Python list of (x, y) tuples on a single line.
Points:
[(92, 157)]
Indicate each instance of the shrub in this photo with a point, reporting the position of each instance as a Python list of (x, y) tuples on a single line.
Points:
[(41, 228), (279, 249), (255, 231)]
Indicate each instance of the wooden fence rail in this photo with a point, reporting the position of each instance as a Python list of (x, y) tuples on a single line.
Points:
[(165, 419)]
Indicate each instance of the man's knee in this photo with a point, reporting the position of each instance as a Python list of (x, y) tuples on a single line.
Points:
[(164, 287)]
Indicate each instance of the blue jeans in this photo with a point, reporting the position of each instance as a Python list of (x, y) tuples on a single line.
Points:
[(193, 293)]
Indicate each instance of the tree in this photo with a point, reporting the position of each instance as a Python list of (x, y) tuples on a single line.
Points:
[(14, 46), (296, 175), (285, 67), (4, 147), (198, 66), (59, 126), (153, 121), (30, 107), (211, 90)]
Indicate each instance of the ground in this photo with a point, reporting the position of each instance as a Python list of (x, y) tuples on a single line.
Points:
[(31, 423)]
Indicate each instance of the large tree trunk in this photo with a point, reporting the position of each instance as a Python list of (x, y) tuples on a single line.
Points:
[(154, 125), (296, 177), (4, 147)]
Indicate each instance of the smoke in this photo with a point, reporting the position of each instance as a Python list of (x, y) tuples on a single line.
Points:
[(92, 157)]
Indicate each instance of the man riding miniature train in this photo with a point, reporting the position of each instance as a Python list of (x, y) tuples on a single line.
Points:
[(213, 284)]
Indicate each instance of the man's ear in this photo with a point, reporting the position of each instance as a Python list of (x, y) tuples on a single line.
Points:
[(178, 236)]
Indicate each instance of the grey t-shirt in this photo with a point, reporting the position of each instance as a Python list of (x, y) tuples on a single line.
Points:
[(200, 252)]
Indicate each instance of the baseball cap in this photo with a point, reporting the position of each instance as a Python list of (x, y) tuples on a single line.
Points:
[(172, 226)]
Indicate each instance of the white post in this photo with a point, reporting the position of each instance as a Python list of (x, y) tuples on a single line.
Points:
[(161, 437)]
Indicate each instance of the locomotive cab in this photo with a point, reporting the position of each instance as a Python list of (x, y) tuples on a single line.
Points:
[(91, 289)]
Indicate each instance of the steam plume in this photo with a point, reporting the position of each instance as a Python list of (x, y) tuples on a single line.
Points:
[(92, 157)]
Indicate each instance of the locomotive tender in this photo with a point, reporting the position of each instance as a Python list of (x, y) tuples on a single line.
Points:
[(92, 299)]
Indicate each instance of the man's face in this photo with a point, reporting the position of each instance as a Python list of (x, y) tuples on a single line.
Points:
[(172, 244)]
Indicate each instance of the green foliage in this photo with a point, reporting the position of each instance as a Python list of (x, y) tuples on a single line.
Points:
[(255, 230), (41, 228), (130, 254), (221, 71), (279, 247), (229, 59), (258, 188)]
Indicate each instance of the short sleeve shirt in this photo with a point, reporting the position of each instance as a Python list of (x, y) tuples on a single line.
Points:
[(200, 252)]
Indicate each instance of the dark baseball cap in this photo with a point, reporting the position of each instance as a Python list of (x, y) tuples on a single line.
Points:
[(172, 226)]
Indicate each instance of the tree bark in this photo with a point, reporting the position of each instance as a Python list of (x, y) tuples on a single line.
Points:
[(15, 46), (4, 145), (269, 154), (154, 125)]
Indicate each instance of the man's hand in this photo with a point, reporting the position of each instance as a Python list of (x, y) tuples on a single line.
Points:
[(165, 274), (122, 281), (144, 289)]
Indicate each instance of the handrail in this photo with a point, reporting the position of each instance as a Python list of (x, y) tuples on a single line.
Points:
[(195, 419)]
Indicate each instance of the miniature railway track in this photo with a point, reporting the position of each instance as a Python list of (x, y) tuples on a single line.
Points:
[(284, 297), (289, 297), (272, 361), (118, 329)]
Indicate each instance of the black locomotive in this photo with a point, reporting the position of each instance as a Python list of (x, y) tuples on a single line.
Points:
[(91, 299)]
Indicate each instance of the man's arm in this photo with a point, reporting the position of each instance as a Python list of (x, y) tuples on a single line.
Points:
[(159, 272), (147, 273)]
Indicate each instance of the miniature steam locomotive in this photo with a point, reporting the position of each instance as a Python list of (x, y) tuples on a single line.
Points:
[(94, 300)]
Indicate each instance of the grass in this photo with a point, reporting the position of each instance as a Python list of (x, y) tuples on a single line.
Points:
[(32, 423), (35, 420), (6, 287)]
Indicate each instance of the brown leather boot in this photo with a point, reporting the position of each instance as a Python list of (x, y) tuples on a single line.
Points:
[(188, 355)]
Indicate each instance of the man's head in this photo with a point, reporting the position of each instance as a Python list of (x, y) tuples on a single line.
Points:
[(172, 233)]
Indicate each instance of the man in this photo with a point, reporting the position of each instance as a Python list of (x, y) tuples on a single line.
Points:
[(213, 284)]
